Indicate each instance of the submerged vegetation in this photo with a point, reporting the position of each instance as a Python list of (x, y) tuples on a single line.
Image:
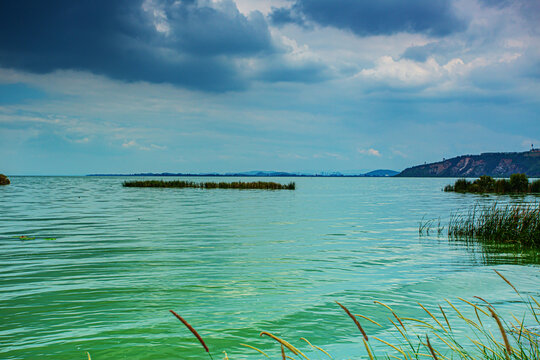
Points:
[(511, 224), (518, 184), (264, 185), (4, 180), (491, 336)]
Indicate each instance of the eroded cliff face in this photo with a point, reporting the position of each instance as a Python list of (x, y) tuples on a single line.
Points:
[(492, 164)]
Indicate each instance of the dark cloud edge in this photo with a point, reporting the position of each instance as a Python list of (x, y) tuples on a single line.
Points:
[(119, 41)]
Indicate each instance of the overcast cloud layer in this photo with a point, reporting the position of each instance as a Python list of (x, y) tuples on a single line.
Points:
[(201, 85), (383, 17), (193, 44)]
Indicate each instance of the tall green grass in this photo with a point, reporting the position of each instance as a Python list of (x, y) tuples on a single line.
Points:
[(517, 184), (488, 336), (510, 224), (264, 185)]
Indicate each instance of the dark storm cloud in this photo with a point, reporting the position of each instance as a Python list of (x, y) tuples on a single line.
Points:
[(207, 31), (381, 17), (281, 16), (118, 39)]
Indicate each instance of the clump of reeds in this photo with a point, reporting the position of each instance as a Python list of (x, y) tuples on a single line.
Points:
[(516, 339), (517, 184), (264, 185), (510, 224), (4, 180)]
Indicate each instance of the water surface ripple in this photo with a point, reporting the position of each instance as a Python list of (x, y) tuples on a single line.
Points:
[(103, 264)]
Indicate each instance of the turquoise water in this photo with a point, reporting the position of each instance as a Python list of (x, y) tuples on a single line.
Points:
[(232, 262)]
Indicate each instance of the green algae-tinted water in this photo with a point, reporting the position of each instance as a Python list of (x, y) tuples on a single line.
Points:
[(232, 262)]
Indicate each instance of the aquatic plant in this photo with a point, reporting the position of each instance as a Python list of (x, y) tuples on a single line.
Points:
[(264, 185), (517, 184), (425, 226), (4, 180), (516, 339), (510, 224)]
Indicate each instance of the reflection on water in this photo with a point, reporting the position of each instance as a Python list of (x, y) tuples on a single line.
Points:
[(494, 254), (231, 262)]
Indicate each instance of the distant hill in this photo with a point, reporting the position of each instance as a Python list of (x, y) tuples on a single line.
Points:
[(375, 173), (381, 173), (492, 164)]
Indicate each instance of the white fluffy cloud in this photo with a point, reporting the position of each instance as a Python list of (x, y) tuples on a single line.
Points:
[(370, 151), (407, 72)]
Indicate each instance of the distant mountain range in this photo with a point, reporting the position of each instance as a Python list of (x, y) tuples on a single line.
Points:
[(502, 164), (492, 164), (375, 173)]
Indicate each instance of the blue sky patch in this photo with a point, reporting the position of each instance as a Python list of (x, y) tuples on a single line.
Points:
[(19, 93)]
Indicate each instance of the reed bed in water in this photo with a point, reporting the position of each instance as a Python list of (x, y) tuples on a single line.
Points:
[(511, 224), (264, 185), (517, 184), (491, 336)]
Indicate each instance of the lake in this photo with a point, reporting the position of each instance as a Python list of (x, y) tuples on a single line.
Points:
[(102, 265)]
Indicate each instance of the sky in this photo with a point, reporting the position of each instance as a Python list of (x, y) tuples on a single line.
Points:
[(128, 86)]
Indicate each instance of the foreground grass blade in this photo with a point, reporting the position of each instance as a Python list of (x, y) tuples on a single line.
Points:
[(368, 350), (507, 281), (399, 320), (474, 306), (368, 319), (254, 348), (431, 350), (316, 347), (284, 343), (355, 321), (445, 318), (386, 306), (392, 346), (433, 317), (193, 331), (503, 333)]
